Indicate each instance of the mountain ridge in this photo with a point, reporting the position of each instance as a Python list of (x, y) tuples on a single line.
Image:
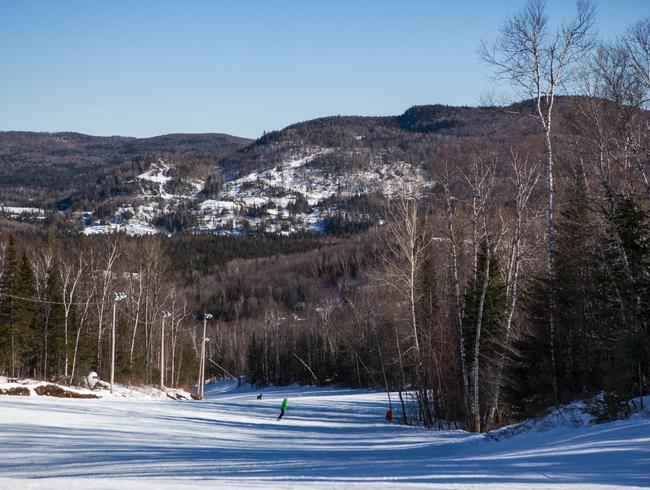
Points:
[(330, 173)]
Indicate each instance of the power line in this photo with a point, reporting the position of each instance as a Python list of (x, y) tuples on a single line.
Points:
[(47, 302)]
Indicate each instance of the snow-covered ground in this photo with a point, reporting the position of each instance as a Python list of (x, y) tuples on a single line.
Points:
[(133, 227), (15, 212), (330, 438), (101, 390), (280, 186), (141, 217), (261, 200), (157, 174)]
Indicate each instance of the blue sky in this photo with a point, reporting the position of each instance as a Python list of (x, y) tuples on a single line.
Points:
[(142, 68)]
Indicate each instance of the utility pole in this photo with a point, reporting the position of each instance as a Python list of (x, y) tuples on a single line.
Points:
[(117, 297), (206, 317), (165, 314)]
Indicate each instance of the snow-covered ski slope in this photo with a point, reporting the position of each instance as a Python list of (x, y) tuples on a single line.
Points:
[(329, 438)]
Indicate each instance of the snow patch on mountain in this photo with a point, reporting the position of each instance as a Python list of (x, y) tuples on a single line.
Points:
[(15, 212), (277, 189), (291, 196)]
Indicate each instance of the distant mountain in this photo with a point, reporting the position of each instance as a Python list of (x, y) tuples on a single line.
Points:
[(414, 137), (333, 174), (46, 167)]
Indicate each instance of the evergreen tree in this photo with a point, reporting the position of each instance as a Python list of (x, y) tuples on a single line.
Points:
[(492, 321), (53, 342), (629, 253), (24, 333), (580, 309), (7, 307), (601, 287)]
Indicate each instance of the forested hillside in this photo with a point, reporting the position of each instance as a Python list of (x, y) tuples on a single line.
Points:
[(43, 168), (332, 175)]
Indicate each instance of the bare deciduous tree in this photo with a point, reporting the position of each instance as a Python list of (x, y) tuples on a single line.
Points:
[(542, 63), (71, 274), (406, 244), (637, 44), (454, 253), (524, 180), (104, 281)]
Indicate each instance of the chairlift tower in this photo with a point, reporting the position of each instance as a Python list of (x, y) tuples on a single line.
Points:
[(165, 314), (117, 297), (206, 317)]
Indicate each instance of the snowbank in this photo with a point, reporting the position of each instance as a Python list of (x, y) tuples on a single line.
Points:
[(28, 387), (576, 414)]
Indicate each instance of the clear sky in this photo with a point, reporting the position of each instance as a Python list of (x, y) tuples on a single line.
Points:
[(145, 67)]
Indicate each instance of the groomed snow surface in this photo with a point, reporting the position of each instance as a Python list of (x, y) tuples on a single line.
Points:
[(329, 438)]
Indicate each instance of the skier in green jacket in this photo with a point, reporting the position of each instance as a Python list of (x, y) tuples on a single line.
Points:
[(283, 407)]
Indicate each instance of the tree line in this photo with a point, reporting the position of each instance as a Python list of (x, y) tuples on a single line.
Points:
[(56, 300)]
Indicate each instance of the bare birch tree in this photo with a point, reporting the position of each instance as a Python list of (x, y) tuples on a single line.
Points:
[(88, 295), (41, 264), (458, 298), (407, 242), (71, 274), (103, 278), (541, 63), (524, 180), (476, 402)]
